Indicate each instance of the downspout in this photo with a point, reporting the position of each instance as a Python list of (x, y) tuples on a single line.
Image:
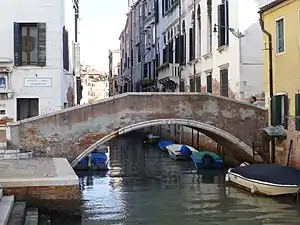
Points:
[(270, 53)]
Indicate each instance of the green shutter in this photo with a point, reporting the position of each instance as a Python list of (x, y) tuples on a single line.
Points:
[(42, 44), (17, 45), (277, 110), (297, 112)]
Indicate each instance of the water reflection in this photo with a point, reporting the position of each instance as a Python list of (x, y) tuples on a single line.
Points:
[(144, 186)]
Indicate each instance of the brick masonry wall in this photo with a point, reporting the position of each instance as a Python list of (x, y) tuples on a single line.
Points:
[(68, 132), (62, 199), (282, 147)]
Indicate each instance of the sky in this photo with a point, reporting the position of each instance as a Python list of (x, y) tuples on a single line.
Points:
[(101, 23)]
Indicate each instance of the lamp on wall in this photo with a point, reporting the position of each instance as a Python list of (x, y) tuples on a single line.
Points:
[(235, 32)]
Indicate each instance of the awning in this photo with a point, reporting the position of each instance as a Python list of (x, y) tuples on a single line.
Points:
[(274, 132)]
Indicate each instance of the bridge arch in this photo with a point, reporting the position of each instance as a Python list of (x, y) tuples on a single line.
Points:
[(222, 137)]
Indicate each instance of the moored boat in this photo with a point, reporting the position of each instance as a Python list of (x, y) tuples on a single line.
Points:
[(266, 179), (151, 139), (207, 160), (180, 152), (164, 144), (97, 160)]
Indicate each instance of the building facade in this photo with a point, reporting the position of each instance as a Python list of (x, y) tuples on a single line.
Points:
[(34, 59), (281, 20), (113, 70), (210, 46), (203, 46), (95, 85), (138, 48)]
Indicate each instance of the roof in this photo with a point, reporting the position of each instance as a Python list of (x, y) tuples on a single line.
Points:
[(271, 5)]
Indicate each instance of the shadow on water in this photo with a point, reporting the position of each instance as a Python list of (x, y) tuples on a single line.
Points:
[(144, 186)]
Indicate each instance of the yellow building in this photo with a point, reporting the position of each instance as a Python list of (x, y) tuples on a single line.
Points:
[(281, 19)]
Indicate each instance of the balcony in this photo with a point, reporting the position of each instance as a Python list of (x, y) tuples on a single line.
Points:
[(169, 76)]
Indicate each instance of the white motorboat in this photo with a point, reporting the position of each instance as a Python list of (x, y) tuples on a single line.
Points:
[(266, 179), (180, 152)]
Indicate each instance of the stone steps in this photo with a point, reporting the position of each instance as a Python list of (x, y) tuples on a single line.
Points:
[(15, 154), (6, 205), (32, 217), (17, 214)]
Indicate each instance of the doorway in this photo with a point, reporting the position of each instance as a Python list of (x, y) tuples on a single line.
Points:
[(27, 107)]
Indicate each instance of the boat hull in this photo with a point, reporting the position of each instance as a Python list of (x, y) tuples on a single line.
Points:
[(260, 187), (215, 165), (175, 156)]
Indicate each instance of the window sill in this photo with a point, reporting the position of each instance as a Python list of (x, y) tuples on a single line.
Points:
[(279, 54), (28, 67), (207, 56), (222, 48)]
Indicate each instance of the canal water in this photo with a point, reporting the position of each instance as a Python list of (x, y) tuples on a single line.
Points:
[(144, 186)]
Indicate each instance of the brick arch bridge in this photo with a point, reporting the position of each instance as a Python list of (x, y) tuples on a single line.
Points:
[(67, 133), (240, 149)]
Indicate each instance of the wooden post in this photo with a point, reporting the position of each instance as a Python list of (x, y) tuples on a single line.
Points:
[(193, 137), (198, 140)]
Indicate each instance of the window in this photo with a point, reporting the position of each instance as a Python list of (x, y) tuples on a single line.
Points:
[(198, 84), (280, 36), (30, 44), (182, 86), (209, 26), (2, 112), (280, 110), (224, 82), (192, 84), (27, 107), (209, 83)]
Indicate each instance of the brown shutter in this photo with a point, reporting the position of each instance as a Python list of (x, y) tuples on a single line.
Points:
[(42, 44), (17, 45)]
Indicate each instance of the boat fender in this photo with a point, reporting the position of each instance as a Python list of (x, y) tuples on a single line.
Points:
[(253, 189), (227, 179)]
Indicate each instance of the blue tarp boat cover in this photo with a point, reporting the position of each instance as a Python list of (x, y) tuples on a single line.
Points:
[(164, 144), (272, 173), (185, 150)]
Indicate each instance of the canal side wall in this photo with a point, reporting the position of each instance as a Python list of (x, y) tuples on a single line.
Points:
[(68, 132), (49, 184), (49, 199)]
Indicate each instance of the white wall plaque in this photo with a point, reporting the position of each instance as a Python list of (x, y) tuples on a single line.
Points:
[(37, 82)]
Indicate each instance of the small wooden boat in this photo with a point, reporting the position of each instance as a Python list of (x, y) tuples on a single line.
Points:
[(180, 152), (266, 179), (97, 160), (151, 139), (207, 160), (164, 144)]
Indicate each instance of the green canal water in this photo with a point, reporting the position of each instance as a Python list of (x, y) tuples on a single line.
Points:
[(143, 187)]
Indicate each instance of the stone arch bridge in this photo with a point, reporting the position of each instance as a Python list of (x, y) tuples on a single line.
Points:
[(75, 131)]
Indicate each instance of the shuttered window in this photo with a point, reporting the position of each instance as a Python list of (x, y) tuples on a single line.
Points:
[(280, 110), (222, 25), (66, 60), (224, 82), (191, 44), (171, 51), (209, 83), (192, 84), (198, 84), (30, 44)]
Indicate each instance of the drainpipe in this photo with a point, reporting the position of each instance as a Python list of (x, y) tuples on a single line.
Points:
[(270, 53), (180, 46)]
